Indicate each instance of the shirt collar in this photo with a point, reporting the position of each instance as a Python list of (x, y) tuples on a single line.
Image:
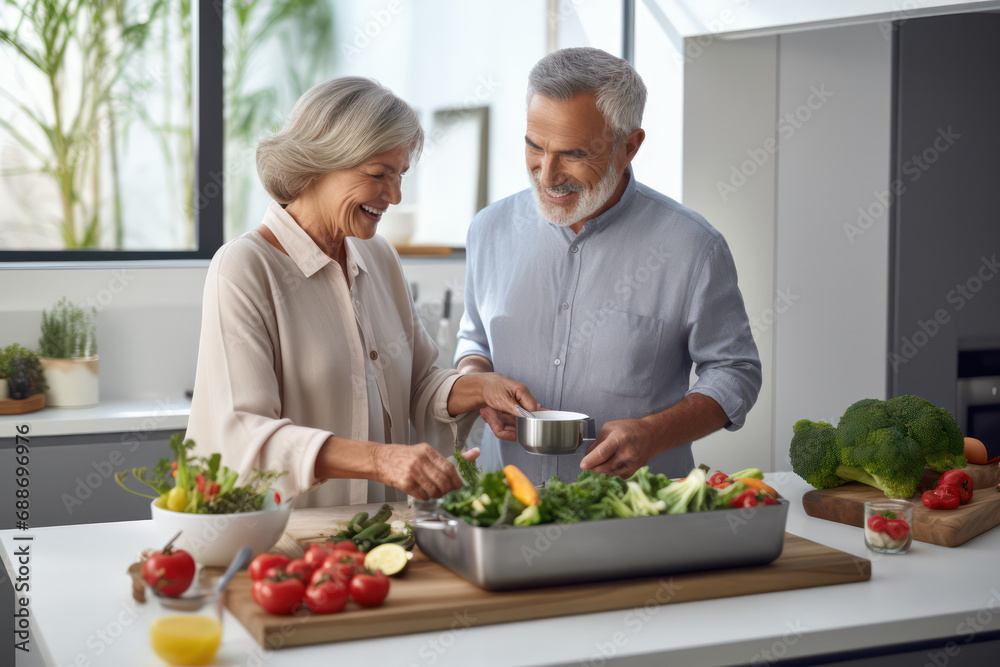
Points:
[(301, 248), (616, 211)]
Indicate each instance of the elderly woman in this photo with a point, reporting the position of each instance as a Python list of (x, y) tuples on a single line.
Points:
[(312, 358)]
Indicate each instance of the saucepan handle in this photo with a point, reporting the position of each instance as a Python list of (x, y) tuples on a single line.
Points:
[(446, 526)]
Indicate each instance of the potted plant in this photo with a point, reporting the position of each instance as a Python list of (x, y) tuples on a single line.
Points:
[(20, 373), (68, 350)]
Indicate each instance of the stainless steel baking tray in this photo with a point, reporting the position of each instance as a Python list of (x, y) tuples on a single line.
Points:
[(507, 557)]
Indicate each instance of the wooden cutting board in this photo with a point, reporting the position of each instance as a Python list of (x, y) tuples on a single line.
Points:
[(947, 528), (429, 597)]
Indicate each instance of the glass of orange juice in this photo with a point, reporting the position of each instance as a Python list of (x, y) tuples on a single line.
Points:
[(186, 630)]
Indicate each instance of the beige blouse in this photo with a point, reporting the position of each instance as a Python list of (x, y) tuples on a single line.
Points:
[(281, 361)]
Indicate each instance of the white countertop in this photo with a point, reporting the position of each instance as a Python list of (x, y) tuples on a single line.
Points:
[(110, 416), (930, 592)]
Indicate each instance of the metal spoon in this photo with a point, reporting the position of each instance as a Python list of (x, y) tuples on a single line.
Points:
[(525, 413)]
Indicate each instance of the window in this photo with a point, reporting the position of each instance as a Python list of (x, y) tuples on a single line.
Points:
[(152, 153)]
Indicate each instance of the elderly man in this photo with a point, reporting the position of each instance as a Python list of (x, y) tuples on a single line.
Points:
[(599, 293)]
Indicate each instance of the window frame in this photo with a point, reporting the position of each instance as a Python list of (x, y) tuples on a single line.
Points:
[(209, 157), (209, 174)]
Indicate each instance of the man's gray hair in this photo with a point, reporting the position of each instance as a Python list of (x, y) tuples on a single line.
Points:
[(336, 124), (620, 92)]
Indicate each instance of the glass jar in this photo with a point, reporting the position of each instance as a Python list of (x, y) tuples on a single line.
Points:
[(888, 526)]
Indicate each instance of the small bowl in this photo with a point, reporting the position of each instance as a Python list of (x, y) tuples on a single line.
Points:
[(214, 539), (553, 432)]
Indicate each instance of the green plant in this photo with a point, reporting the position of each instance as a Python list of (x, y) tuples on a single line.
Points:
[(68, 331), (22, 369), (81, 49)]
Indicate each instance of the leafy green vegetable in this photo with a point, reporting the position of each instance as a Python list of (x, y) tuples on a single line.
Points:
[(199, 478), (592, 496), (469, 471)]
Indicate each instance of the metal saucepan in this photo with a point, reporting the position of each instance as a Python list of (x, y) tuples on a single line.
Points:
[(554, 431)]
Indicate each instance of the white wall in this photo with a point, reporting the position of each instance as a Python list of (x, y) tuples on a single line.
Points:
[(729, 112), (831, 343)]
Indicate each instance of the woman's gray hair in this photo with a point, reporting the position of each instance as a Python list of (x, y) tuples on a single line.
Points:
[(335, 125), (620, 92)]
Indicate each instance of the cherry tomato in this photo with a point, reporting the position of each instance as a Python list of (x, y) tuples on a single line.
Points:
[(315, 555), (897, 529), (342, 565), (300, 568), (951, 496), (369, 590), (279, 595), (264, 562), (344, 545), (960, 480), (877, 523), (326, 596), (170, 572)]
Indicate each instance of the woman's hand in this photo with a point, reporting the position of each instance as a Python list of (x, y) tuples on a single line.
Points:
[(418, 470)]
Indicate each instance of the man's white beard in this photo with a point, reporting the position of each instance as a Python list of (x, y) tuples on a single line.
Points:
[(587, 203)]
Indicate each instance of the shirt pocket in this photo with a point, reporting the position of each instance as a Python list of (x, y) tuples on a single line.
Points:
[(624, 353)]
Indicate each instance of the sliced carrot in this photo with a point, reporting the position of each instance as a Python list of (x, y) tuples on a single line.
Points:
[(520, 485)]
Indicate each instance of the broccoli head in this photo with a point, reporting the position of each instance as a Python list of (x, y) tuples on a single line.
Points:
[(815, 453), (934, 430), (885, 444), (887, 458)]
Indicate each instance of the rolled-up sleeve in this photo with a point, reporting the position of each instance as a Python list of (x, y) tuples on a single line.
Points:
[(236, 408), (720, 341)]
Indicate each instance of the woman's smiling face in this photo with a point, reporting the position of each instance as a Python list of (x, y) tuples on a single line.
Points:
[(353, 200)]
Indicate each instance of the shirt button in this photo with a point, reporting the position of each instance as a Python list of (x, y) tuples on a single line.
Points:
[(574, 248), (557, 362), (565, 306), (357, 303), (373, 355)]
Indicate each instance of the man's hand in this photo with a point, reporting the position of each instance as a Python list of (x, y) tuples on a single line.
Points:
[(622, 447)]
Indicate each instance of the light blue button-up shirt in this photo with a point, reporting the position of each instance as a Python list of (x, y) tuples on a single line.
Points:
[(607, 322)]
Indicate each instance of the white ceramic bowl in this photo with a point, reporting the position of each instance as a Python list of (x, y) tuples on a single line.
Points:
[(213, 539)]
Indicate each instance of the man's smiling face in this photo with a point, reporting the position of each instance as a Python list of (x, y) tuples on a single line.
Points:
[(571, 158)]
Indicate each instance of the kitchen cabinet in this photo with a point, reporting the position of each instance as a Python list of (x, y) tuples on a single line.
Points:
[(904, 608)]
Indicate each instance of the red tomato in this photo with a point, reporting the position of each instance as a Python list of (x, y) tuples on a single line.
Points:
[(315, 555), (326, 596), (345, 545), (280, 596), (300, 568), (264, 562), (170, 572), (369, 590), (960, 480), (931, 499), (951, 496), (897, 529), (342, 565), (877, 523)]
